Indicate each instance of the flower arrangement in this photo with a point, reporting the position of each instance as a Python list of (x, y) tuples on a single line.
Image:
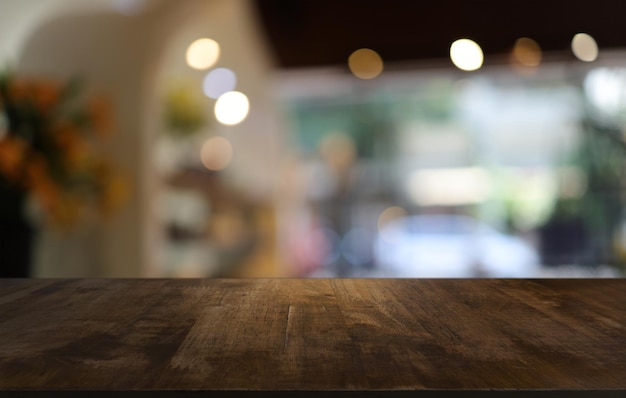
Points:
[(51, 137)]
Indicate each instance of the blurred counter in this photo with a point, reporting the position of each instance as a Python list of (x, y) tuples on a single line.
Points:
[(305, 337)]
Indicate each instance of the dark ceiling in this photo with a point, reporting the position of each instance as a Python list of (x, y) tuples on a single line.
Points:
[(310, 33)]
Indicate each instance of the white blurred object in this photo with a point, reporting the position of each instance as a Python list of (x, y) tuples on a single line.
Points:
[(452, 246)]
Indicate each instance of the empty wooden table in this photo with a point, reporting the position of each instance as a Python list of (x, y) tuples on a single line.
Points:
[(310, 337)]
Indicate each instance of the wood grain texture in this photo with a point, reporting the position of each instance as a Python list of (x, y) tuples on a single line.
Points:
[(313, 334)]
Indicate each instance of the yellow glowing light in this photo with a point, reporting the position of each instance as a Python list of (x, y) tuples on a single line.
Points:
[(365, 63), (203, 53), (449, 186), (216, 153), (390, 214), (232, 108), (527, 52), (584, 47), (466, 55)]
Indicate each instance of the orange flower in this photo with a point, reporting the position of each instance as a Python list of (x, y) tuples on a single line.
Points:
[(36, 169), (99, 111), (71, 175), (115, 192), (12, 153), (45, 95), (74, 148), (40, 183), (45, 191), (63, 208), (19, 89)]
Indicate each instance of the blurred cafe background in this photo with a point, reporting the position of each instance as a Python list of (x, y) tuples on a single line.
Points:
[(301, 138)]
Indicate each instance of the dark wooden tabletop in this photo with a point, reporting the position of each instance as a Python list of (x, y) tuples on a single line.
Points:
[(313, 335)]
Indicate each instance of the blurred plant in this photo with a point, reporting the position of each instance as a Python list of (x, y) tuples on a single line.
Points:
[(184, 114), (51, 136)]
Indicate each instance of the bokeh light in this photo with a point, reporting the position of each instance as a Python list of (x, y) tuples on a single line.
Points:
[(365, 63), (466, 55), (584, 47), (219, 81), (320, 248), (216, 153), (390, 214), (449, 186), (527, 52), (203, 53), (232, 108), (605, 89)]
